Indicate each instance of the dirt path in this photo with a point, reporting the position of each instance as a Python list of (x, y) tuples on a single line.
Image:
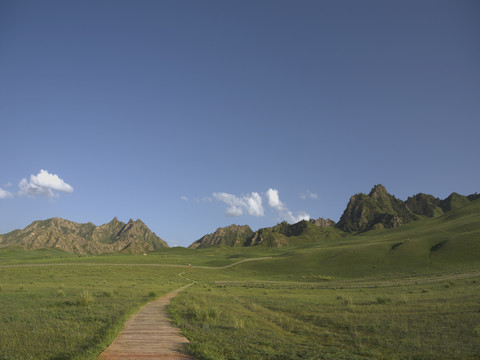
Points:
[(149, 334)]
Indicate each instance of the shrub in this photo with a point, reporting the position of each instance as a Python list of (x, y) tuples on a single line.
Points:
[(213, 313), (238, 324), (192, 311), (85, 298), (476, 331), (383, 300)]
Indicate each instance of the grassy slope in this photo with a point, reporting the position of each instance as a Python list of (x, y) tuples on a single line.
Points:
[(432, 244)]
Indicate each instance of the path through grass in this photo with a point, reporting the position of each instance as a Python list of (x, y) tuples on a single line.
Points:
[(72, 312)]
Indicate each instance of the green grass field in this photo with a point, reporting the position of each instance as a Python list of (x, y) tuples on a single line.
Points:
[(72, 312), (429, 321), (406, 293)]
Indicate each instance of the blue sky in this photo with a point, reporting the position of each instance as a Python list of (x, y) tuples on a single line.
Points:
[(192, 115)]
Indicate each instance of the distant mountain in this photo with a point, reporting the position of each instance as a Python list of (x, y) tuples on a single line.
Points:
[(377, 210), (275, 236), (380, 210), (233, 235), (132, 237), (424, 204)]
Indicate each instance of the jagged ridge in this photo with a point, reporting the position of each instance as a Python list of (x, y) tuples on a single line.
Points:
[(275, 236), (233, 235), (377, 210), (134, 237)]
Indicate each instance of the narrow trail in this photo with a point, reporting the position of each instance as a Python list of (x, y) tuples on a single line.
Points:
[(149, 334)]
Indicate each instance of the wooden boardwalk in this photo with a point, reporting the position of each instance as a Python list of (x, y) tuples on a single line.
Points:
[(149, 334)]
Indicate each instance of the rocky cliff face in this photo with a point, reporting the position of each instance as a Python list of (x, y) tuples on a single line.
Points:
[(69, 236)]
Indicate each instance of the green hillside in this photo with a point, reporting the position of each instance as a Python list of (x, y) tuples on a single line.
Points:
[(374, 211), (429, 244)]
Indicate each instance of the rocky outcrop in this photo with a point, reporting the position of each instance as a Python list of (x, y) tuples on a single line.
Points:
[(134, 237), (321, 222), (423, 204), (233, 235), (275, 236), (377, 210), (380, 210)]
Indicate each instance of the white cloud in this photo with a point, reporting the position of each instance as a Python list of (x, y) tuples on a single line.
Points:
[(184, 198), (7, 184), (234, 211), (43, 184), (5, 194), (252, 204), (285, 214), (274, 200), (292, 219), (310, 195)]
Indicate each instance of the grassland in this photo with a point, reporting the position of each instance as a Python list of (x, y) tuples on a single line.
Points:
[(414, 319), (406, 293), (72, 312)]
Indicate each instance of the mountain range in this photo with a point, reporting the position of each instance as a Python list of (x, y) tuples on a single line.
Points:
[(377, 210), (115, 236), (364, 212)]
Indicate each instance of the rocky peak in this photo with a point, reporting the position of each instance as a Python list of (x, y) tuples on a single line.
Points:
[(231, 235), (85, 238), (114, 221), (378, 209), (321, 222), (378, 191)]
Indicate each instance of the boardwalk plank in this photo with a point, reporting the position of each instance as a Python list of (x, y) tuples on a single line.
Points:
[(149, 334)]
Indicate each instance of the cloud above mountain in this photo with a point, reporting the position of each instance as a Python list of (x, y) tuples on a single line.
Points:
[(252, 204), (283, 212), (44, 184), (274, 200)]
